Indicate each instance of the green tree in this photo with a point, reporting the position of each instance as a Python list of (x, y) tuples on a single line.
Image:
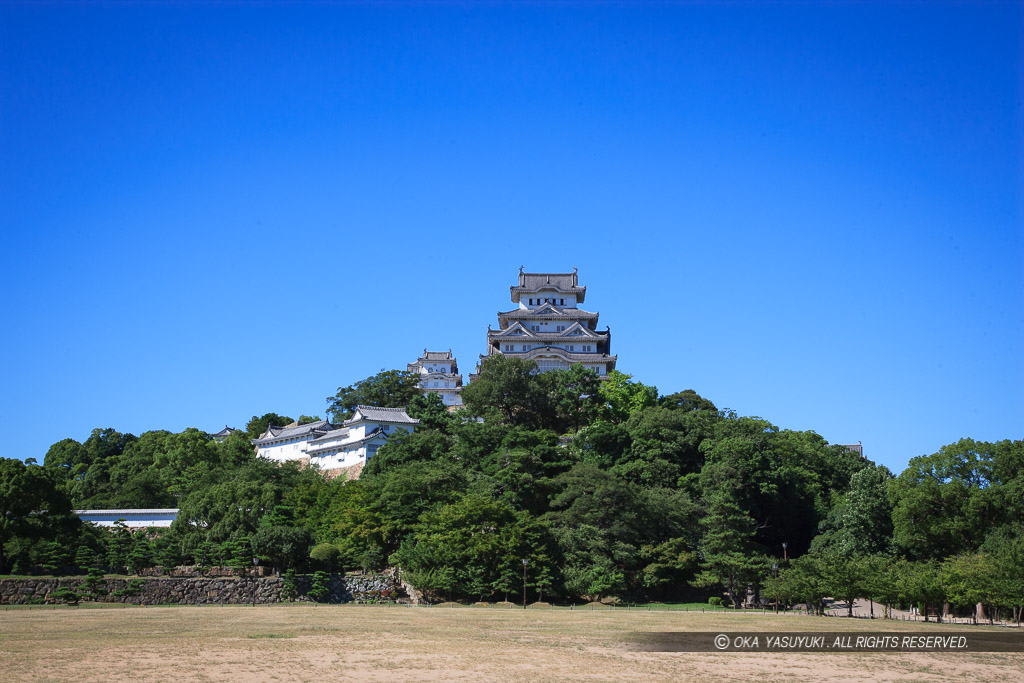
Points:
[(119, 545), (860, 524), (257, 426), (804, 580), (66, 595), (602, 444), (728, 555), (67, 459), (431, 411), (282, 546), (687, 400), (969, 580), (93, 586), (846, 577), (922, 582), (507, 388), (574, 396), (386, 389), (1005, 547), (289, 587), (468, 546), (141, 554), (86, 557), (320, 591), (624, 397), (25, 491), (945, 504), (326, 554)]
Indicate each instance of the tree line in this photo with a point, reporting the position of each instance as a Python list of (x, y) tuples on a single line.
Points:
[(605, 488)]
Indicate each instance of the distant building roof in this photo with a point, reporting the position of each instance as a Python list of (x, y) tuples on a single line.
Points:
[(227, 431), (310, 429), (129, 511), (375, 414), (133, 518)]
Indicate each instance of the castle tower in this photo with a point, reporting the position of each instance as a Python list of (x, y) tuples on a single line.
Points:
[(439, 374), (549, 327)]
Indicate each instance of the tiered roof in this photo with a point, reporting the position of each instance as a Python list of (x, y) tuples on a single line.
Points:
[(573, 332), (224, 433), (309, 430), (547, 311), (563, 283), (374, 414), (435, 357), (580, 325)]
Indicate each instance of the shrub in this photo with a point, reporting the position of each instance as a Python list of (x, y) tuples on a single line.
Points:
[(289, 591), (326, 554), (66, 595), (92, 585), (321, 588), (133, 587), (715, 601)]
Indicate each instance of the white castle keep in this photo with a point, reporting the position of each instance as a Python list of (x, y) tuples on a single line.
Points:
[(439, 374), (549, 327)]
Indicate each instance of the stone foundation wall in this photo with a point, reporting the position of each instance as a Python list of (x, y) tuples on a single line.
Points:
[(227, 590)]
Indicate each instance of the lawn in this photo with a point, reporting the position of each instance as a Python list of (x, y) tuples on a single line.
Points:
[(353, 642)]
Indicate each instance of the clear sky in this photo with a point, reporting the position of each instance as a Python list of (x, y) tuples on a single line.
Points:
[(807, 212)]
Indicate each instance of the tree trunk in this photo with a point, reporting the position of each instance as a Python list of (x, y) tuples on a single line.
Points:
[(979, 612)]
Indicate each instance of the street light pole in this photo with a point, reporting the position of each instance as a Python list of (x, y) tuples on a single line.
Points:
[(785, 556), (775, 573), (524, 583)]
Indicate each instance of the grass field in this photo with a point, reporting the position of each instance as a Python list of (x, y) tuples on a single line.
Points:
[(389, 643)]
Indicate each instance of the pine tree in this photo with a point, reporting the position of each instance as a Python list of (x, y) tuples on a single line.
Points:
[(321, 589)]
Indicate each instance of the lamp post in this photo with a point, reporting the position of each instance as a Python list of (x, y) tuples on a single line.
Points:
[(775, 573), (255, 561), (524, 583), (785, 556)]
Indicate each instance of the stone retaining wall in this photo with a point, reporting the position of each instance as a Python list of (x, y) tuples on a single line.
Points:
[(228, 590)]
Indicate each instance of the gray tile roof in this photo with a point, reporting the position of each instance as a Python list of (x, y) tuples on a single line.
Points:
[(564, 336), (128, 511), (433, 356), (311, 429), (536, 280), (339, 433), (348, 445), (375, 414), (547, 310), (566, 283), (565, 355)]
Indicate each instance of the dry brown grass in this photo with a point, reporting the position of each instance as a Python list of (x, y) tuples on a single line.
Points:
[(389, 643)]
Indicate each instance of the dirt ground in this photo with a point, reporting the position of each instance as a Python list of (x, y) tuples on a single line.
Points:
[(380, 643)]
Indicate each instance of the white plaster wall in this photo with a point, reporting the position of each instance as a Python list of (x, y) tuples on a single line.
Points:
[(147, 520)]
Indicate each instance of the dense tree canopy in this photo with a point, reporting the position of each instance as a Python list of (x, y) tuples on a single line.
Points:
[(604, 487), (386, 389)]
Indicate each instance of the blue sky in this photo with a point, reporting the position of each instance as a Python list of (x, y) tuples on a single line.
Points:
[(810, 213)]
